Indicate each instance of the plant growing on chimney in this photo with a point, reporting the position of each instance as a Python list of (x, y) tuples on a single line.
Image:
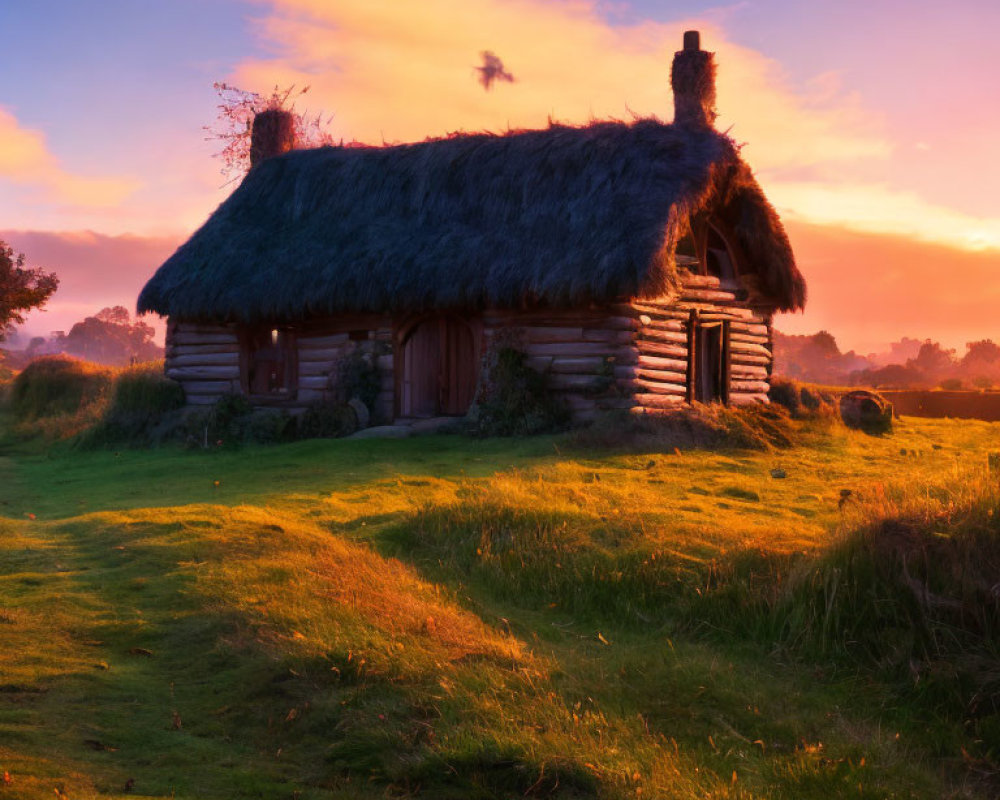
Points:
[(237, 109)]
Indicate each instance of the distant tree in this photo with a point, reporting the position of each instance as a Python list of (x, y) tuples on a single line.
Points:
[(933, 359), (900, 352), (984, 353), (21, 288), (111, 337), (891, 376), (234, 122), (36, 344), (814, 358)]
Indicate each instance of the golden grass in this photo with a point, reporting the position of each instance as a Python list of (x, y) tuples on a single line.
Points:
[(332, 620)]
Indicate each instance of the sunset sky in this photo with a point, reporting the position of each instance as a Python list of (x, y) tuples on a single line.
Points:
[(871, 125)]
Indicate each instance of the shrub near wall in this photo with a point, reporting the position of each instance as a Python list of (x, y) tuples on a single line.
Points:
[(141, 397), (57, 397), (512, 399), (58, 386)]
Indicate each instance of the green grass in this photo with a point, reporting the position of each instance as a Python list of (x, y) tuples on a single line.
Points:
[(444, 617)]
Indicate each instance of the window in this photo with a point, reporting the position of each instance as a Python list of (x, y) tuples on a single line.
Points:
[(268, 362), (704, 250)]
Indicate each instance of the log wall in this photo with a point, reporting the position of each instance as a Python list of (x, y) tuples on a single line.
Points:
[(577, 351), (658, 377), (631, 355), (635, 354), (205, 359)]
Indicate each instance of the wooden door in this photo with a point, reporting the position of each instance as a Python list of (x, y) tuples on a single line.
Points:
[(439, 368), (708, 361)]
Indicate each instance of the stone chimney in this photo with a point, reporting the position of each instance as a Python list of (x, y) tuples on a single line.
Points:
[(273, 133), (692, 77)]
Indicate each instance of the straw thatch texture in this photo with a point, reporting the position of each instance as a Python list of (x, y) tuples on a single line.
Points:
[(563, 216)]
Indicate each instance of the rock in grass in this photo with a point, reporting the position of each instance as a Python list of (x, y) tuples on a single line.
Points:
[(866, 411)]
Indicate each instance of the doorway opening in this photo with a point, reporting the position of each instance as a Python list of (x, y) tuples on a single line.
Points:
[(439, 368)]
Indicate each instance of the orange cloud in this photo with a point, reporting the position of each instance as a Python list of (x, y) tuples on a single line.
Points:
[(26, 162), (869, 289), (393, 72), (873, 208)]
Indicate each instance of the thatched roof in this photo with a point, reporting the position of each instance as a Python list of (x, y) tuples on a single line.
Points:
[(563, 216)]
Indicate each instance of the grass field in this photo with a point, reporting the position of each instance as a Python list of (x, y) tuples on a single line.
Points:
[(447, 617)]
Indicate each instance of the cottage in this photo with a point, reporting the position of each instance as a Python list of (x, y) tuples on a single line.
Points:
[(637, 264)]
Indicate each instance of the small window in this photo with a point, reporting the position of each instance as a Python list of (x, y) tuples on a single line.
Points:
[(269, 362), (358, 336)]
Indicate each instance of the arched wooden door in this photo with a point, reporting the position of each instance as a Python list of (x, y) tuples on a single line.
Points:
[(439, 368)]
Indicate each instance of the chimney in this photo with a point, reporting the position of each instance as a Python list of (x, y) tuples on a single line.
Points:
[(273, 133), (692, 78)]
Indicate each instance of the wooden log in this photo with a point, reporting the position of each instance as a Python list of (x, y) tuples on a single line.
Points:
[(651, 334), (749, 349), (219, 373), (710, 311), (222, 337), (706, 296), (744, 372), (748, 387), (321, 382), (649, 309), (743, 358), (316, 368), (205, 360), (610, 336), (323, 342), (681, 307), (202, 399), (655, 348), (747, 399), (662, 376), (586, 382), (622, 323), (553, 334), (202, 349), (675, 325), (659, 400), (209, 387), (590, 365), (700, 281), (747, 338), (571, 349), (668, 364), (659, 387), (326, 356), (751, 328)]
